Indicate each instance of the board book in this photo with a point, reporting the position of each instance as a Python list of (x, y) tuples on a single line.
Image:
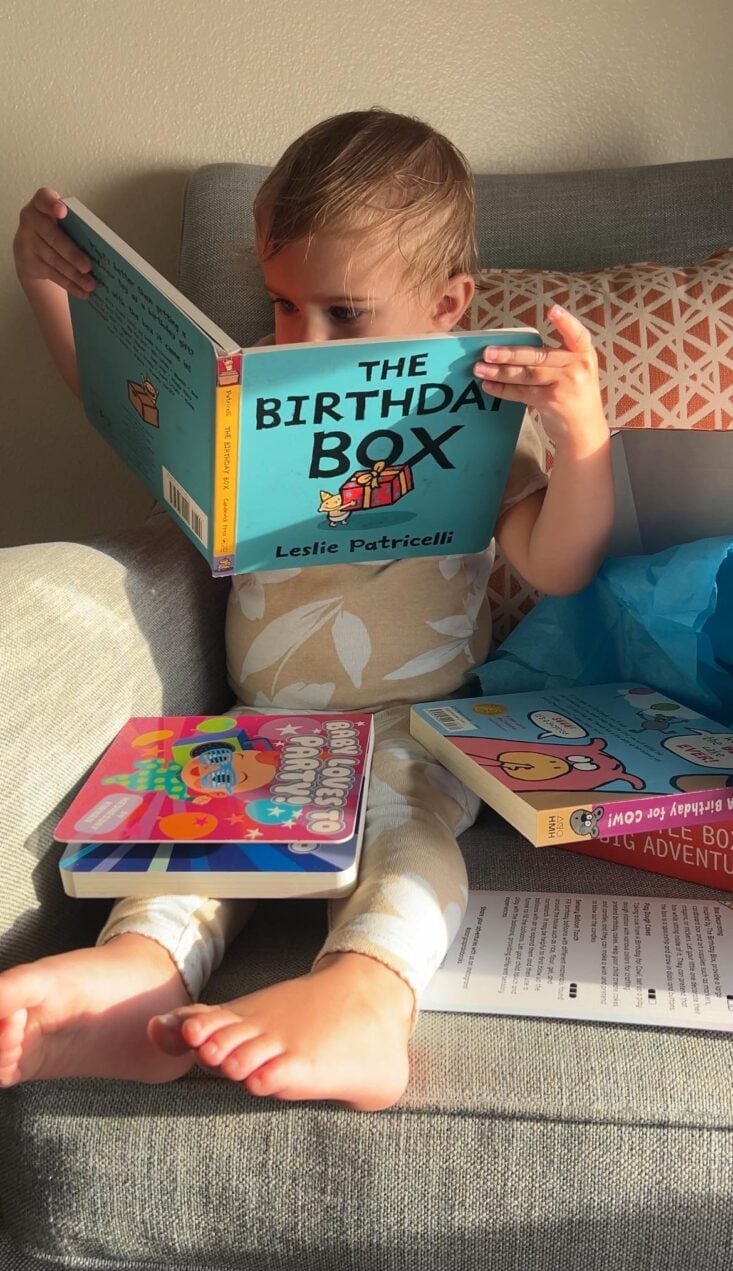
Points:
[(586, 762), (625, 959), (237, 805), (304, 454), (700, 854)]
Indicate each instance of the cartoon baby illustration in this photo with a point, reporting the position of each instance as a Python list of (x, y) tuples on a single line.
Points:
[(548, 766), (336, 508), (213, 770), (216, 769), (584, 821)]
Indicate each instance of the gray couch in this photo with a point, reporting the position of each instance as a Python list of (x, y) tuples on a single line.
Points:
[(520, 1143)]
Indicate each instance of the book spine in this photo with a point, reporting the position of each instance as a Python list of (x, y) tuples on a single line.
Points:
[(654, 814), (226, 462), (701, 854)]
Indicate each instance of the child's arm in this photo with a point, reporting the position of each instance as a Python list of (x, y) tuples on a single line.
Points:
[(557, 538), (48, 266)]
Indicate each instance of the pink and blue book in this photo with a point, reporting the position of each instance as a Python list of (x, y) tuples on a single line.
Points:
[(240, 805)]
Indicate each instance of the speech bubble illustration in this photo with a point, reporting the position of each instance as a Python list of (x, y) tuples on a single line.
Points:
[(108, 814), (707, 750), (556, 725)]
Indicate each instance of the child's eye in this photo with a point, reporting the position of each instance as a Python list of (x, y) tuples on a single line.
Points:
[(285, 306), (340, 313)]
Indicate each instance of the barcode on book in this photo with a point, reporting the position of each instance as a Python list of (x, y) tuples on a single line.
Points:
[(190, 512), (449, 719)]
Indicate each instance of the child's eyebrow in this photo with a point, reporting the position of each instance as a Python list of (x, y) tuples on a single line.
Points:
[(327, 300)]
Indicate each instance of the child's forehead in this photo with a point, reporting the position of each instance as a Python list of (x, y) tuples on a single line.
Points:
[(334, 264)]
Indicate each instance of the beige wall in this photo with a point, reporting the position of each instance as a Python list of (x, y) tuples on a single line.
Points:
[(117, 100)]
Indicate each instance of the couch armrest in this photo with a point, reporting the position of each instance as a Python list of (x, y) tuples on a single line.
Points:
[(90, 633)]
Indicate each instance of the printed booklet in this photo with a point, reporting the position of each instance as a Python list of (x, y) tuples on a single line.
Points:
[(579, 763), (626, 959), (252, 805), (308, 454)]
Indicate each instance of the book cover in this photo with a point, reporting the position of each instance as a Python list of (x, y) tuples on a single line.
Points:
[(353, 450), (625, 959), (587, 762), (242, 778), (248, 869), (701, 854), (253, 805)]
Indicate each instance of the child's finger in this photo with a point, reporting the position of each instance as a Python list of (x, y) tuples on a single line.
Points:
[(534, 375), (63, 246), (62, 266), (521, 356), (54, 275), (49, 202), (575, 337), (509, 393)]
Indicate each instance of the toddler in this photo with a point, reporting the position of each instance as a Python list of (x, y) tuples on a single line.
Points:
[(364, 228)]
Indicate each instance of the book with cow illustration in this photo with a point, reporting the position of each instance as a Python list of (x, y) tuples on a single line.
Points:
[(583, 763), (308, 454), (233, 805)]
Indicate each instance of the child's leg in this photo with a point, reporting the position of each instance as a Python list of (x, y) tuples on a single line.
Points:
[(341, 1032), (195, 930), (412, 889), (86, 1012)]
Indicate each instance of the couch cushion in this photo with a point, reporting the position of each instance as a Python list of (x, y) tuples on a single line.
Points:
[(531, 1141)]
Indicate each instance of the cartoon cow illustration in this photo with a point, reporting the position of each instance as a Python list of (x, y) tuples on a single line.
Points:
[(548, 765)]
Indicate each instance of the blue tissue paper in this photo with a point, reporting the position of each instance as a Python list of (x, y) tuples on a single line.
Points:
[(664, 620)]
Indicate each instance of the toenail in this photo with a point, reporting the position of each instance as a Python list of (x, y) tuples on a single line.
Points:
[(169, 1021)]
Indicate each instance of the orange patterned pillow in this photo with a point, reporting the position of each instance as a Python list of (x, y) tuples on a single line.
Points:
[(664, 335), (664, 339)]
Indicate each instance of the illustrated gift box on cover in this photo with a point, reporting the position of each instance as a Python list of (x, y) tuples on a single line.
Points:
[(144, 398), (381, 486)]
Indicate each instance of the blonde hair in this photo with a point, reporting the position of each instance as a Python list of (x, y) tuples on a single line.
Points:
[(374, 174)]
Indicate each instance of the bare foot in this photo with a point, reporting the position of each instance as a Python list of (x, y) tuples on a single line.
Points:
[(338, 1033), (85, 1014)]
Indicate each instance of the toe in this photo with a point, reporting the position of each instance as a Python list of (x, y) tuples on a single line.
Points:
[(225, 1040), (12, 1032), (170, 1032), (164, 1032), (275, 1076), (243, 1062), (12, 1028), (199, 1027)]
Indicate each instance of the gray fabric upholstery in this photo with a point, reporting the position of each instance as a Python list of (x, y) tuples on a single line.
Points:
[(89, 635), (519, 1143), (674, 212)]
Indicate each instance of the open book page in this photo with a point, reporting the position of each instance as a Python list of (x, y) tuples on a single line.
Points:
[(627, 959)]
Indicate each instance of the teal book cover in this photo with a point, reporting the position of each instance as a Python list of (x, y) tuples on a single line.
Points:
[(148, 375), (353, 450), (362, 450), (587, 761)]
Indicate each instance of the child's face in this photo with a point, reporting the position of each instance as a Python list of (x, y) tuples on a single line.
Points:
[(332, 289)]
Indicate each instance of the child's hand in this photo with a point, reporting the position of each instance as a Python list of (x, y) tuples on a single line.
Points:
[(562, 384), (43, 251)]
